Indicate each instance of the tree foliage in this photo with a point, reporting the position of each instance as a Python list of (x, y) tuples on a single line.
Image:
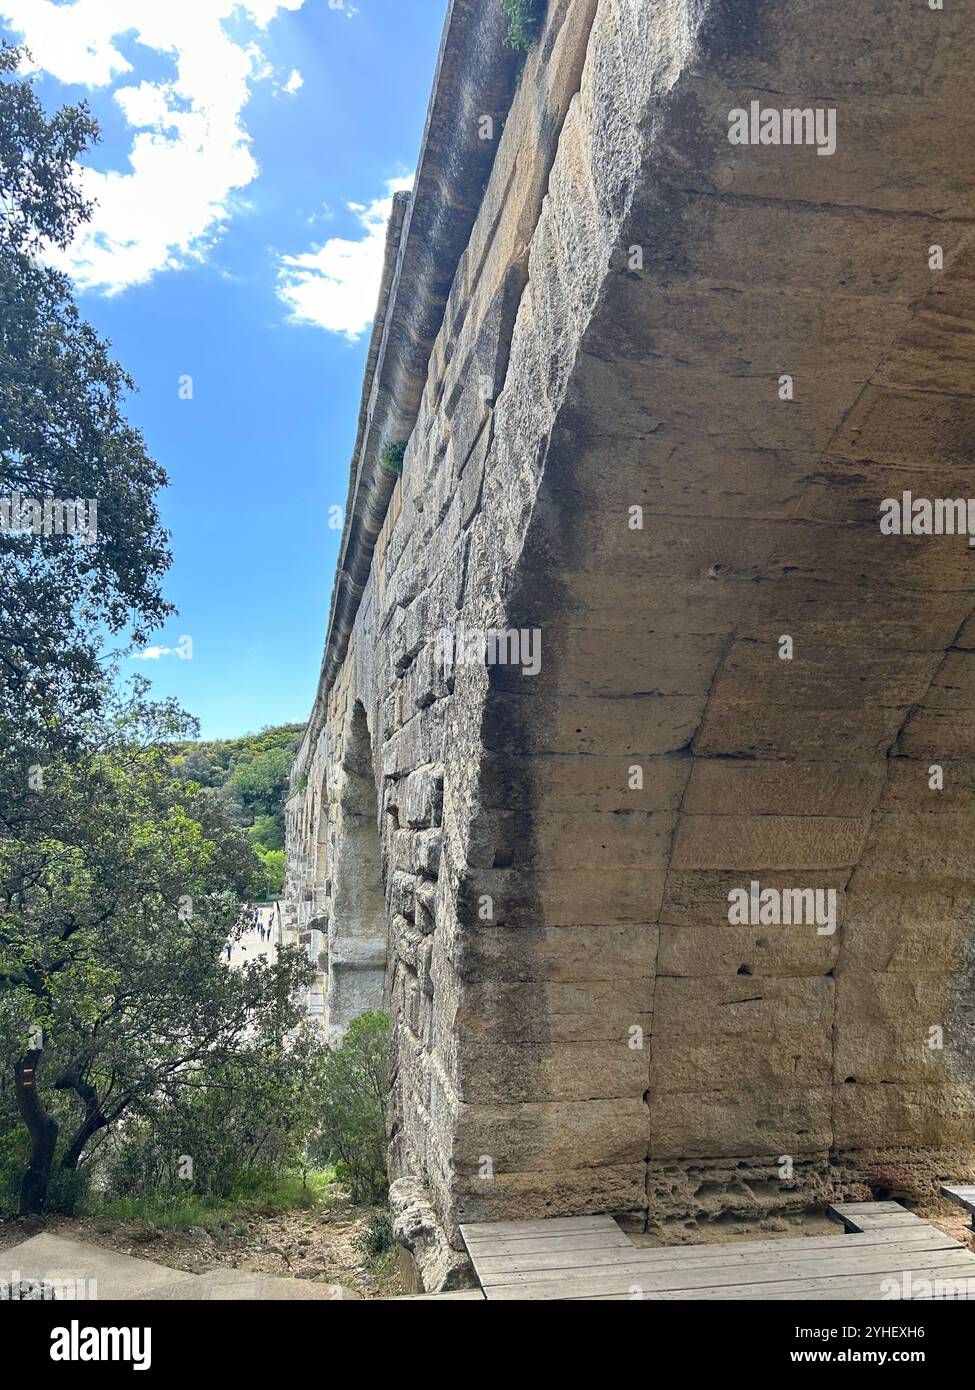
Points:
[(240, 1117), (113, 916), (63, 436), (353, 1101), (251, 776), (124, 846)]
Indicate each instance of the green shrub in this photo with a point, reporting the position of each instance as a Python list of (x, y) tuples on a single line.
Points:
[(525, 20), (67, 1191), (378, 1235), (391, 458), (353, 1101), (14, 1153), (246, 1123), (274, 864), (282, 1191)]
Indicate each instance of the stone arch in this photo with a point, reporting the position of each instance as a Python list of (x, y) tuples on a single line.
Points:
[(357, 927)]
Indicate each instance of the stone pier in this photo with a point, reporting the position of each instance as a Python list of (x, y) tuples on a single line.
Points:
[(627, 644)]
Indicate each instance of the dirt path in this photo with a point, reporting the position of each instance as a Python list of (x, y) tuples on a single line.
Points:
[(322, 1245)]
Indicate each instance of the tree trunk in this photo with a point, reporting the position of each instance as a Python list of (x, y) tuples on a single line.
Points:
[(76, 1148), (94, 1120), (43, 1131)]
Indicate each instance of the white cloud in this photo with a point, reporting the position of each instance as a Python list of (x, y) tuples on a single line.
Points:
[(190, 152), (323, 214), (294, 83), (336, 285), (183, 649)]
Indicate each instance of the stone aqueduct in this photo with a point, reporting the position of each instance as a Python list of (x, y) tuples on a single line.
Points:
[(592, 308)]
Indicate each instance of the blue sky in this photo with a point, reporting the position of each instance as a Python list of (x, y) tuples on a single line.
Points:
[(249, 151)]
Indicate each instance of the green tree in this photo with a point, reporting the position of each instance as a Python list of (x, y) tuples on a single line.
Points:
[(353, 1106), (261, 781), (63, 435), (267, 831), (112, 924), (246, 1115), (251, 775), (274, 866)]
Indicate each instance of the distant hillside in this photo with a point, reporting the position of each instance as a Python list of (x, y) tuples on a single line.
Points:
[(250, 774)]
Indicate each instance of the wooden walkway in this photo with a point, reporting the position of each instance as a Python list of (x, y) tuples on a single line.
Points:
[(589, 1257), (962, 1197)]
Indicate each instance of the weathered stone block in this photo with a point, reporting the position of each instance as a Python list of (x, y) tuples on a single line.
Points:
[(426, 852), (768, 842), (416, 1228), (424, 906), (491, 1073), (422, 802), (551, 1135), (727, 951), (717, 1035), (402, 888), (900, 1028), (716, 1124)]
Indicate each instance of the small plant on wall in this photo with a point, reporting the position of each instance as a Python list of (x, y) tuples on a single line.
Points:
[(525, 20), (391, 458)]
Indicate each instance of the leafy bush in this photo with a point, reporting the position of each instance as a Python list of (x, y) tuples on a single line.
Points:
[(391, 458), (67, 1192), (525, 20), (353, 1100), (14, 1152), (245, 1122), (273, 863), (267, 831), (378, 1235)]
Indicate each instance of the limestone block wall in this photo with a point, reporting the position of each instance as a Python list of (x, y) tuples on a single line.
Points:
[(673, 380)]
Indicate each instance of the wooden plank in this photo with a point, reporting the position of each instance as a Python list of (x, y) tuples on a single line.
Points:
[(923, 1236), (889, 1223), (876, 1261), (590, 1257), (860, 1284), (871, 1216), (530, 1272), (963, 1196), (549, 1225), (851, 1287), (870, 1208), (679, 1253), (494, 1269), (590, 1240), (906, 1222), (865, 1292)]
